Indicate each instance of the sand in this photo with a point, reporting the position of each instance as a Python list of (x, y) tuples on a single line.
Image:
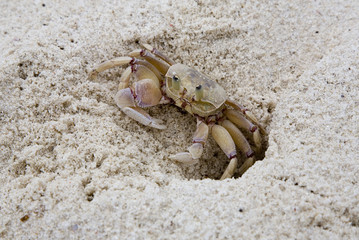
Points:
[(73, 166)]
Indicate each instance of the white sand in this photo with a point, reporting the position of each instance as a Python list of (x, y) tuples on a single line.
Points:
[(73, 166)]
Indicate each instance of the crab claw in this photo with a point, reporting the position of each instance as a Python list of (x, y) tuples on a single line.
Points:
[(142, 117), (127, 103)]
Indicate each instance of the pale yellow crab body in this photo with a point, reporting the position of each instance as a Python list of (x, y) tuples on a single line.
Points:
[(159, 80), (213, 95)]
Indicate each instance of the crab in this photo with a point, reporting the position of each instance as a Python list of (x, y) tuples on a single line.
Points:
[(159, 80)]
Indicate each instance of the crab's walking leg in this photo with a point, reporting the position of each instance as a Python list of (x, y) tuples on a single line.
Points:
[(247, 164), (158, 53), (241, 143), (196, 149), (116, 62), (247, 113), (226, 143), (238, 118), (238, 137), (161, 65)]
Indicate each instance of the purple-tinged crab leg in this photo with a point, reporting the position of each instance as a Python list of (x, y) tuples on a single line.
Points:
[(238, 118), (238, 138), (158, 53), (247, 113), (226, 143), (161, 65)]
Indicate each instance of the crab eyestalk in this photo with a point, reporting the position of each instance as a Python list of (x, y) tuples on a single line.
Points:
[(176, 82), (199, 92)]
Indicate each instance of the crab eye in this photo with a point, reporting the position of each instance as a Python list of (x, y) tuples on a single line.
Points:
[(176, 82), (199, 92), (175, 78)]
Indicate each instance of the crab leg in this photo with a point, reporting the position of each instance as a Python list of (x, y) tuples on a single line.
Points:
[(161, 65), (247, 113), (116, 62), (242, 143), (158, 53), (247, 164), (196, 149), (238, 137), (237, 118), (226, 143)]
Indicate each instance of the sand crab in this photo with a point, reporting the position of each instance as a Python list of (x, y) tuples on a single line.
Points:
[(161, 81)]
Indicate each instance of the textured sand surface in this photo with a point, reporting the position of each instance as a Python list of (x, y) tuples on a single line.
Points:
[(73, 166)]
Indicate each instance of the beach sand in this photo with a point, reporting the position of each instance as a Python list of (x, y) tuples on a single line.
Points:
[(73, 166)]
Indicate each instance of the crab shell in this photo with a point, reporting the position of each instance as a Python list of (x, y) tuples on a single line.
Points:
[(212, 99)]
